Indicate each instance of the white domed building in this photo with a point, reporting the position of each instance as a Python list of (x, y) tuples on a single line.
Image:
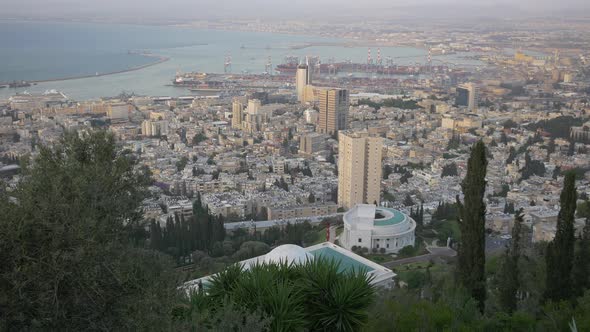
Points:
[(287, 253), (293, 254), (377, 227)]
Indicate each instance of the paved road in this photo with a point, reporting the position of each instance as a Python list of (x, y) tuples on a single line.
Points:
[(493, 245), (434, 252), (279, 222), (333, 233)]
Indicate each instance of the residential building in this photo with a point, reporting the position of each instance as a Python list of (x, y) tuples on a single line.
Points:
[(237, 114), (359, 168), (311, 143), (150, 128), (334, 104), (467, 96), (301, 211)]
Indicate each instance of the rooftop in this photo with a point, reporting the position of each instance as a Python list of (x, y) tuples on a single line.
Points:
[(348, 261), (388, 219)]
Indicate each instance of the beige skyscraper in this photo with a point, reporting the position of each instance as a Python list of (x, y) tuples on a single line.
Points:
[(237, 114), (359, 168), (467, 96), (334, 104), (302, 79)]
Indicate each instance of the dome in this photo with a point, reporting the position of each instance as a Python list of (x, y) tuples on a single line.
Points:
[(288, 253)]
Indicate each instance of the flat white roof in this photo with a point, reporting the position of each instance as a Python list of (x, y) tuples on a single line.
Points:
[(348, 260)]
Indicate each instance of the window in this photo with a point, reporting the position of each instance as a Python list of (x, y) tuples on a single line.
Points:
[(377, 245), (360, 240), (388, 245)]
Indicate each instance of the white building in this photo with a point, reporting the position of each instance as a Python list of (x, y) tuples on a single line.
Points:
[(292, 254), (311, 116), (376, 227), (150, 128)]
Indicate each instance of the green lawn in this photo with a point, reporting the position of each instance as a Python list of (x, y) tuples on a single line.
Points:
[(378, 258), (408, 271), (319, 238), (441, 230)]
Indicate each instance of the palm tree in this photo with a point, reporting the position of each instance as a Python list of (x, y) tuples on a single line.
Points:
[(336, 301), (317, 295)]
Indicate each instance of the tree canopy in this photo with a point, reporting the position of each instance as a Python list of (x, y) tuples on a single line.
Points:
[(67, 238)]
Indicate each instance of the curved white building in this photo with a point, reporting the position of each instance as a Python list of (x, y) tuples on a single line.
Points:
[(292, 254), (376, 227)]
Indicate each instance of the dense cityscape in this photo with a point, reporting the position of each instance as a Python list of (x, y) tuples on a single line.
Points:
[(469, 164)]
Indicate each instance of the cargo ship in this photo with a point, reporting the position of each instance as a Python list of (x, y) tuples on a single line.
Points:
[(349, 67), (19, 84), (189, 79), (206, 88)]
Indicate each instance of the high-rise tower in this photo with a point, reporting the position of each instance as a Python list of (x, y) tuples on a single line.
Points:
[(467, 96), (237, 114), (334, 104), (302, 78), (359, 169)]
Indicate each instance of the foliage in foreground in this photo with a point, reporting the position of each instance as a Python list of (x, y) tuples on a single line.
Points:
[(471, 253), (67, 233), (313, 296)]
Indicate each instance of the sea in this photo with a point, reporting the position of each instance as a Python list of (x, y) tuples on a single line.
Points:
[(34, 51)]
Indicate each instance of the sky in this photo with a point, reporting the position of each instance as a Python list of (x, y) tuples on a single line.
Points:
[(287, 9)]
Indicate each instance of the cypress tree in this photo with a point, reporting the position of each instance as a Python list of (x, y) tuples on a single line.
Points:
[(471, 253), (509, 282), (560, 251), (581, 269)]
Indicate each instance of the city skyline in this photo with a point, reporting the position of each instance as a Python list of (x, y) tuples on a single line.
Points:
[(278, 166)]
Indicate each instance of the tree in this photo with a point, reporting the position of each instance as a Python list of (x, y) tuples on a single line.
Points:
[(551, 146), (471, 253), (314, 295), (311, 198), (503, 138), (509, 275), (387, 170), (181, 164), (560, 251), (571, 148), (68, 237), (508, 124), (449, 170), (454, 142), (581, 268), (532, 167), (408, 200), (511, 155), (583, 210), (198, 138), (331, 159), (509, 208)]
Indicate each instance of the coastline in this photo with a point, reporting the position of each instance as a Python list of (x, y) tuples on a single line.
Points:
[(160, 59)]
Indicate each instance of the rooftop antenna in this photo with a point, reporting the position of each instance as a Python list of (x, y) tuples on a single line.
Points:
[(268, 67), (429, 68), (227, 64)]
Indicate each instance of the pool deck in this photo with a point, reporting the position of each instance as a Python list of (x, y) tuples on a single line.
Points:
[(346, 263)]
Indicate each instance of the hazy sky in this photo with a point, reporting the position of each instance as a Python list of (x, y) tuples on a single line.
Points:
[(189, 9)]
